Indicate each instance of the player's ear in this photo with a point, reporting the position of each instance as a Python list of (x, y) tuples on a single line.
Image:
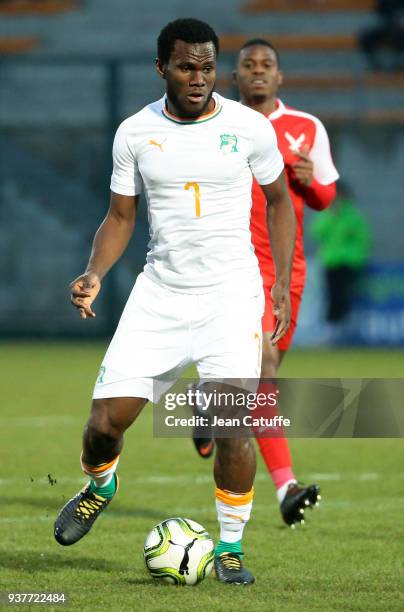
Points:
[(280, 78), (234, 77), (160, 68)]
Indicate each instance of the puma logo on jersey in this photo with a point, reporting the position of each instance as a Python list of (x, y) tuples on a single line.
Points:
[(157, 144), (295, 143)]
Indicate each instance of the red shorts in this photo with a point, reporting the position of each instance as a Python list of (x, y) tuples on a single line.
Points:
[(269, 320)]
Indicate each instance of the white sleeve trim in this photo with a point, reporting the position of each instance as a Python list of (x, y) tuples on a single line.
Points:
[(266, 161), (123, 190), (126, 178), (324, 170), (276, 172)]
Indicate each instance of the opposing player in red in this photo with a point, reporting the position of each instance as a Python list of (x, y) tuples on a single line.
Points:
[(311, 176)]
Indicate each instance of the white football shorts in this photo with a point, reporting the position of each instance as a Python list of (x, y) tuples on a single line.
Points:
[(162, 332)]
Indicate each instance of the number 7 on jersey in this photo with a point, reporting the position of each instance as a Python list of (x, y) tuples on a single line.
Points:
[(195, 186)]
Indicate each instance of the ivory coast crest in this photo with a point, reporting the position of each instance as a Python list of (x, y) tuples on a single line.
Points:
[(228, 143)]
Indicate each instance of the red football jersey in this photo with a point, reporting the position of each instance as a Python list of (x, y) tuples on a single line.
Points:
[(294, 129)]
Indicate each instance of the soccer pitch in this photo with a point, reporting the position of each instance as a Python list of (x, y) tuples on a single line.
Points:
[(348, 555)]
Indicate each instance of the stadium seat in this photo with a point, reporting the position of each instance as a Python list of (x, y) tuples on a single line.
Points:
[(17, 44), (332, 81), (30, 7), (231, 43), (375, 116), (262, 6)]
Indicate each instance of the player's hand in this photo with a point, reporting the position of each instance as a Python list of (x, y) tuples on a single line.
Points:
[(281, 310), (303, 169), (84, 290)]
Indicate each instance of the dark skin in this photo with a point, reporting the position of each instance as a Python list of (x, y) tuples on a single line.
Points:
[(258, 78), (190, 77), (109, 418)]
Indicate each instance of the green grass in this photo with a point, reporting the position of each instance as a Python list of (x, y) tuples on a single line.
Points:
[(347, 557)]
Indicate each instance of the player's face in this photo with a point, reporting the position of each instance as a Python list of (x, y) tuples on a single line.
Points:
[(257, 74), (190, 78)]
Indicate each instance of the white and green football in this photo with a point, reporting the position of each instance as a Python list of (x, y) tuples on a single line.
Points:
[(179, 551)]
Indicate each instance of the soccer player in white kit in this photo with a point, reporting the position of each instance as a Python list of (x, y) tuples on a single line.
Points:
[(194, 153)]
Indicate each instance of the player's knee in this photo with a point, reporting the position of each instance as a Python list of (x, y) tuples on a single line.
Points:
[(270, 358), (232, 448), (269, 366), (100, 423)]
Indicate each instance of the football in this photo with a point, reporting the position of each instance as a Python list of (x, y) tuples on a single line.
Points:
[(179, 551)]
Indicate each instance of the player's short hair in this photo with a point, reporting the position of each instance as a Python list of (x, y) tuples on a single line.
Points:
[(187, 30), (262, 41)]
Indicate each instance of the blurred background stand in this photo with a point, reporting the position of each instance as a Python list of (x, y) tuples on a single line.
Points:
[(383, 44), (70, 71), (344, 239)]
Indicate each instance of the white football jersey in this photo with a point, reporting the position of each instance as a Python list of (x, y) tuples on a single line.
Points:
[(197, 177)]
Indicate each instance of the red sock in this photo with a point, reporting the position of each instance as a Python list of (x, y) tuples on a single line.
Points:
[(275, 449), (275, 452)]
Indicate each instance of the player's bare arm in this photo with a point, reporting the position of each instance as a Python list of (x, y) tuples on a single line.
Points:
[(282, 231), (110, 241)]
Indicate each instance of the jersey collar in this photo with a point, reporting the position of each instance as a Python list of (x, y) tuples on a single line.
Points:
[(201, 119), (280, 109)]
